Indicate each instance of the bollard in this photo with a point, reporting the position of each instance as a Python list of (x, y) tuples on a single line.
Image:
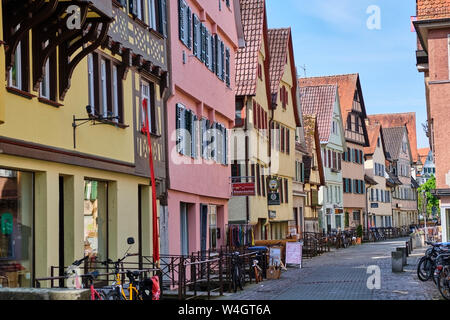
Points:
[(410, 246), (403, 252), (397, 261), (407, 248)]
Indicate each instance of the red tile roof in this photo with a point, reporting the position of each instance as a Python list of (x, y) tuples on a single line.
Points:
[(278, 46), (397, 120), (373, 131), (423, 154), (347, 85), (433, 9), (319, 101), (253, 20)]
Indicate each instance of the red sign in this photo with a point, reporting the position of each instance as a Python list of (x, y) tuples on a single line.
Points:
[(244, 189)]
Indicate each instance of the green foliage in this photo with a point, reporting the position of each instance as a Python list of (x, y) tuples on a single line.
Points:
[(347, 219), (359, 231), (432, 201)]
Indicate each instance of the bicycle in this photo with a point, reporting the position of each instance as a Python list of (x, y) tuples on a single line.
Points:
[(427, 264), (118, 290), (442, 275), (237, 276), (73, 274)]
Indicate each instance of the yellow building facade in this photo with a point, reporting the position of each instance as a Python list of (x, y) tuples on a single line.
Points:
[(74, 167)]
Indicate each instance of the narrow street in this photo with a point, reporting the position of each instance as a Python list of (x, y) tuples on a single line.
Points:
[(342, 275)]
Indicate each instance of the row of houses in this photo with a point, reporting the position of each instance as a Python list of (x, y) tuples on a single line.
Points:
[(138, 118)]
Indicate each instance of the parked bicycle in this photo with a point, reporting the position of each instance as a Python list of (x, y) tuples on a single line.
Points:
[(237, 274), (74, 277), (119, 290), (442, 274), (427, 264)]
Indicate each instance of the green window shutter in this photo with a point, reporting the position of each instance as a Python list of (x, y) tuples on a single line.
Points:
[(94, 190)]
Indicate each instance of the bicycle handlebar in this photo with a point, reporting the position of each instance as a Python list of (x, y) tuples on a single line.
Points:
[(78, 262)]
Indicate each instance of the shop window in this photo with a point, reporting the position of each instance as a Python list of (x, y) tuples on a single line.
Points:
[(96, 219), (16, 228)]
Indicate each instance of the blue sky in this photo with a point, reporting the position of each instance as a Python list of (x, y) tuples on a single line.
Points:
[(332, 37)]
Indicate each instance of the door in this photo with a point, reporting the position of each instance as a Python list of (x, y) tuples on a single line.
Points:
[(184, 235), (203, 227)]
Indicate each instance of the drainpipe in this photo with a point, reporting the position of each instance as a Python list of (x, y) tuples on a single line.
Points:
[(247, 200)]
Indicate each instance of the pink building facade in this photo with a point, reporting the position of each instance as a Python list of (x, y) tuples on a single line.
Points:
[(204, 38), (433, 60)]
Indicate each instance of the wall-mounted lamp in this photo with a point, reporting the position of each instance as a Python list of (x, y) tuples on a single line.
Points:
[(92, 117)]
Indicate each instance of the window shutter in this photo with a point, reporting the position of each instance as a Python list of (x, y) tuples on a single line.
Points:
[(196, 35), (218, 59), (133, 7), (162, 28), (222, 56), (178, 128), (189, 30), (203, 43), (194, 145), (181, 15), (208, 49), (227, 66), (288, 141), (213, 54), (225, 145)]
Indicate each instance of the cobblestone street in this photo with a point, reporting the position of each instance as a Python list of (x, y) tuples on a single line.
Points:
[(342, 275)]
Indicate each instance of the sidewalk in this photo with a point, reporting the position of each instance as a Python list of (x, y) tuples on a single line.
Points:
[(342, 275)]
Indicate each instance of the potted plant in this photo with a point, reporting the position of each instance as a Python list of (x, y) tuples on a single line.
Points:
[(359, 234)]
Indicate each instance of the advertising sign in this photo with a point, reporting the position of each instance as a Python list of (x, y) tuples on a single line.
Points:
[(294, 252), (244, 189)]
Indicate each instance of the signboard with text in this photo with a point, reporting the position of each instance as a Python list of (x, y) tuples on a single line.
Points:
[(243, 189)]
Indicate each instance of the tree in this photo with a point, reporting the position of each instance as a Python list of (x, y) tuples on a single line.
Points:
[(432, 201)]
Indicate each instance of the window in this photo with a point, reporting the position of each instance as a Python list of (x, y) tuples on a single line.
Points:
[(45, 84), (152, 14), (147, 107), (240, 113), (185, 23), (212, 226), (105, 87), (18, 74), (16, 228)]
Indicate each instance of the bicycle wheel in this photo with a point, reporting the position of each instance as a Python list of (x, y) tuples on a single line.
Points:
[(112, 295), (443, 283), (424, 269)]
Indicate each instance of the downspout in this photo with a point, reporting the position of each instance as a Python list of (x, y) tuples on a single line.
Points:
[(247, 202)]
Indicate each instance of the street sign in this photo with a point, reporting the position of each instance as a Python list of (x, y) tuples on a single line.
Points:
[(273, 196)]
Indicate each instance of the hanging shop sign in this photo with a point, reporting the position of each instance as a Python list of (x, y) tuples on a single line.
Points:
[(243, 189), (273, 194)]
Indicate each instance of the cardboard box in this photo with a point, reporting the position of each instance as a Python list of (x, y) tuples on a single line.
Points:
[(273, 273)]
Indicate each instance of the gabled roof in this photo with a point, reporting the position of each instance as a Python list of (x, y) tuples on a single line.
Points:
[(375, 131), (393, 138), (279, 41), (254, 22), (320, 101), (347, 84), (397, 120), (280, 45), (423, 154)]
